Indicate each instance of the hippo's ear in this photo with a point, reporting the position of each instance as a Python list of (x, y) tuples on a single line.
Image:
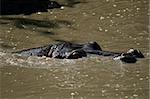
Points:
[(92, 46), (135, 52)]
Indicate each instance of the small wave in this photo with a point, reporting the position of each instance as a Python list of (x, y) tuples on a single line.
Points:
[(43, 62), (8, 59), (35, 62)]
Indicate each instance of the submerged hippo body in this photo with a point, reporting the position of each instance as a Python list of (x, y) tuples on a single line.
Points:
[(74, 51)]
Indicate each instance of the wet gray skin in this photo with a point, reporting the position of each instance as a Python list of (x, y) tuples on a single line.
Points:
[(74, 51)]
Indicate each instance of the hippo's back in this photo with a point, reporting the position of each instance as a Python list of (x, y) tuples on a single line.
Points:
[(39, 51)]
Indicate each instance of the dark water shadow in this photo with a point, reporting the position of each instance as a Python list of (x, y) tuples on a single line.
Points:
[(61, 41), (47, 33), (72, 3), (27, 7), (6, 46), (30, 24)]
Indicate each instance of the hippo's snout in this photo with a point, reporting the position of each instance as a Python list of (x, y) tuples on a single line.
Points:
[(126, 57)]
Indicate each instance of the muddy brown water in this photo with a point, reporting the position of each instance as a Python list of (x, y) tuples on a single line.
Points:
[(116, 25)]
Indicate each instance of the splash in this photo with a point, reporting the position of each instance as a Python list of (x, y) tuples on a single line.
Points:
[(104, 63)]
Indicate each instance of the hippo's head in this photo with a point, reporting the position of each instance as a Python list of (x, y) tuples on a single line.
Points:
[(130, 56)]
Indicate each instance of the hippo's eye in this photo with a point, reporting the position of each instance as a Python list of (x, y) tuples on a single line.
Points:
[(74, 53), (122, 54)]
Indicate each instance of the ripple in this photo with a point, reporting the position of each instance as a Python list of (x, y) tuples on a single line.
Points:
[(35, 62)]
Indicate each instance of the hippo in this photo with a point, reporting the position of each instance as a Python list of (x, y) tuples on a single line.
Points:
[(67, 50)]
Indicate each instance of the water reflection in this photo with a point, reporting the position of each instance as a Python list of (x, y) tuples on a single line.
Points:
[(30, 24), (16, 7), (72, 3)]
